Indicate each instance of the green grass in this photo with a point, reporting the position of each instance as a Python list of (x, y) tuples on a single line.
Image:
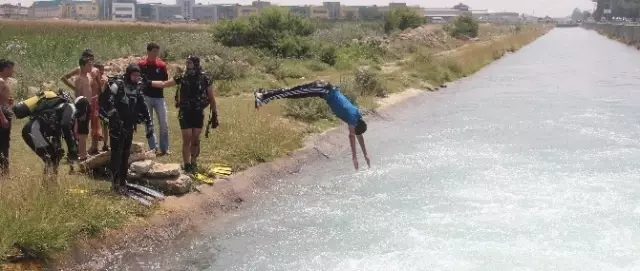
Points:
[(43, 221)]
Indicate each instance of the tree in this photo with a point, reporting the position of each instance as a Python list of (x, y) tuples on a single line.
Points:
[(370, 13), (576, 15), (463, 25), (585, 15), (350, 15), (402, 18)]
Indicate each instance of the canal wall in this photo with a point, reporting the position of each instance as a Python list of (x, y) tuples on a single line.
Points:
[(626, 33)]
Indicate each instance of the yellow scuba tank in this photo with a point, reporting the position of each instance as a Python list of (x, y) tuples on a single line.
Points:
[(26, 107)]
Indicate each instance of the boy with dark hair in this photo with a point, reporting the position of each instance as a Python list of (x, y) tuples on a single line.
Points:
[(338, 103), (6, 114), (88, 54), (154, 69), (95, 129)]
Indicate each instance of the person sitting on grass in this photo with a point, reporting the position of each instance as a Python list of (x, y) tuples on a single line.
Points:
[(338, 103)]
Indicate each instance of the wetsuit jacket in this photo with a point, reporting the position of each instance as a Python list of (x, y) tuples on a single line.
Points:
[(123, 103), (192, 94)]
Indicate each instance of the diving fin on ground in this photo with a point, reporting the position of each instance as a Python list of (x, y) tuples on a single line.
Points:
[(203, 178), (146, 190), (132, 194), (77, 191), (220, 170)]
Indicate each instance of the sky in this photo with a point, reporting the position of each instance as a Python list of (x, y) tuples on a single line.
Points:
[(553, 8)]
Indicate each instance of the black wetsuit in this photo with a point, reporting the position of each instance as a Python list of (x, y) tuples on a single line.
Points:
[(192, 99), (123, 110), (51, 121)]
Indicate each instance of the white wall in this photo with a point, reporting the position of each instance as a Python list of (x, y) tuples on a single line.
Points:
[(123, 12)]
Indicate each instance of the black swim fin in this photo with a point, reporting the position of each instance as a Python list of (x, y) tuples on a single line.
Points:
[(146, 190), (132, 194)]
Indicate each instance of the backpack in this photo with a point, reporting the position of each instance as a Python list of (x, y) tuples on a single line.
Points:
[(43, 101)]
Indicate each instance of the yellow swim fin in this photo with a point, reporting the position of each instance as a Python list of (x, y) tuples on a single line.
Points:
[(220, 170), (77, 191), (203, 178)]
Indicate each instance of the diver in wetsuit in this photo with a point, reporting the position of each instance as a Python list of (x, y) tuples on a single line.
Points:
[(52, 118), (122, 106)]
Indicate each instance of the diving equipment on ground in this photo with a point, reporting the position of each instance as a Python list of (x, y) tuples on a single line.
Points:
[(146, 190)]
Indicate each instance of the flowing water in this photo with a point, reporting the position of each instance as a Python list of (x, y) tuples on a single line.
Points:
[(533, 163)]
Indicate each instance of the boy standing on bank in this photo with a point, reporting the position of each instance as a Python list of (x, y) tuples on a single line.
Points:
[(154, 69), (338, 103)]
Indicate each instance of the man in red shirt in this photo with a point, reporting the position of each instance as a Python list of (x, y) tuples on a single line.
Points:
[(154, 69)]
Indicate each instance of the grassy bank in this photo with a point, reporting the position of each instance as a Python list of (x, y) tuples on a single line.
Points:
[(366, 61)]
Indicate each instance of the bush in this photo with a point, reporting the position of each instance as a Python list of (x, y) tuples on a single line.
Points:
[(223, 69), (310, 110), (463, 25), (368, 82), (275, 29), (329, 54), (402, 18)]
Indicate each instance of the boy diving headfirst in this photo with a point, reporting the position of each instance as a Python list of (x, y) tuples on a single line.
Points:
[(338, 103)]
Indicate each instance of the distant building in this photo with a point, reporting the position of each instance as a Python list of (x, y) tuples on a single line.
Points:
[(334, 8), (187, 7), (104, 9), (226, 12), (86, 10), (13, 12), (349, 12), (477, 13), (261, 4), (509, 17), (318, 12), (299, 10), (392, 6), (205, 13), (445, 14), (167, 13), (46, 9), (245, 11), (461, 7), (123, 12), (397, 5), (144, 12)]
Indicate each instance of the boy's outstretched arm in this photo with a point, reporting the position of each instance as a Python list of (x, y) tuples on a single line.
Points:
[(352, 140), (364, 149)]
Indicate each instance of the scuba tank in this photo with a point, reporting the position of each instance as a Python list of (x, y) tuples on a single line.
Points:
[(41, 101)]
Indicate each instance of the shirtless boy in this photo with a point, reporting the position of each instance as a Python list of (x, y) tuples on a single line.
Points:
[(6, 101), (95, 127), (82, 86), (65, 79)]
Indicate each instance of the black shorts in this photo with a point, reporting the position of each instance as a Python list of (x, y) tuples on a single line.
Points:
[(83, 108), (191, 119), (83, 126)]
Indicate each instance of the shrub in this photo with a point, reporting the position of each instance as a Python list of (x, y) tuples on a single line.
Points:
[(224, 69), (310, 110), (402, 18), (368, 82), (293, 47), (329, 54), (463, 25), (275, 29)]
